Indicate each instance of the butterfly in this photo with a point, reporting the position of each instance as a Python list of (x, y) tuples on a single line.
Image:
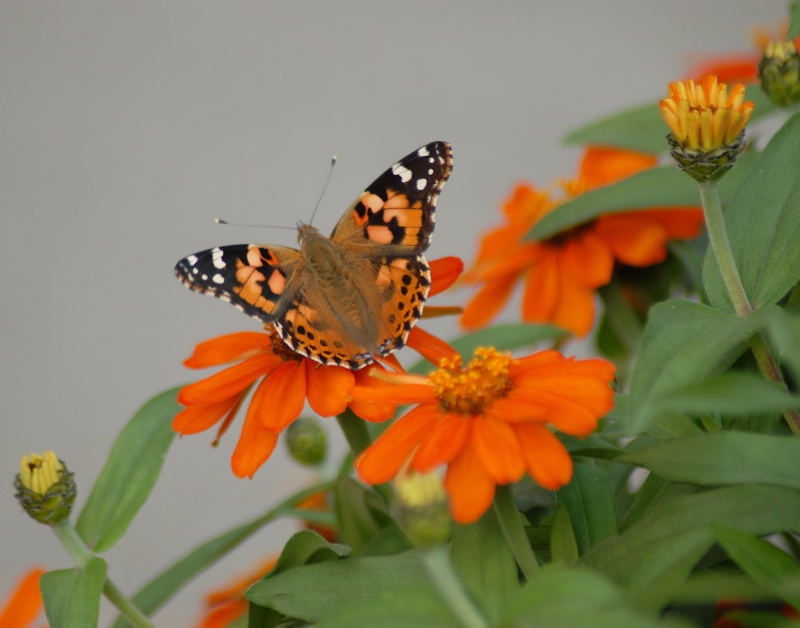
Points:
[(351, 298)]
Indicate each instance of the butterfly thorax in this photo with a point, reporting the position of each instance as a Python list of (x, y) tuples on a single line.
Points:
[(323, 258)]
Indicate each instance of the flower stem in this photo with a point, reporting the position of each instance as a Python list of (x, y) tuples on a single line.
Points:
[(507, 514), (437, 563), (81, 554), (718, 237), (355, 431)]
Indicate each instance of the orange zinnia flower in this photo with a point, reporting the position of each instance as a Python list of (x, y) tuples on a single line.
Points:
[(562, 273), (24, 605), (287, 380), (489, 423)]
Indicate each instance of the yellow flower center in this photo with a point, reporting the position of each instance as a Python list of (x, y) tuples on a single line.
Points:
[(39, 472), (470, 391), (704, 116), (780, 50)]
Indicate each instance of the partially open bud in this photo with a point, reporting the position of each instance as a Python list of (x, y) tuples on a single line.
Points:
[(307, 441), (707, 126), (45, 488), (779, 71), (421, 508)]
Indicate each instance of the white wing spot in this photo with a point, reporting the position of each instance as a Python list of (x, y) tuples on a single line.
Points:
[(430, 171), (421, 183), (402, 172), (216, 258), (192, 259), (423, 152), (204, 277), (218, 279)]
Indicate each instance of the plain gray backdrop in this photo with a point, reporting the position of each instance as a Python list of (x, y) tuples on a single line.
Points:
[(127, 127)]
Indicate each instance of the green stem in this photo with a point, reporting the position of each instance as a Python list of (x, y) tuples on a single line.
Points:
[(437, 563), (718, 237), (81, 554), (355, 431), (507, 514)]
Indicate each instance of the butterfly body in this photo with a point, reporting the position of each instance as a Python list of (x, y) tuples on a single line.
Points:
[(350, 298)]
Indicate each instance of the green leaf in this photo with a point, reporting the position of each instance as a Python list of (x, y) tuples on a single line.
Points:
[(734, 394), (765, 563), (72, 596), (592, 446), (130, 472), (661, 187), (724, 458), (785, 333), (683, 343), (590, 503), (306, 548), (356, 524), (484, 562), (650, 493), (794, 24), (657, 554), (563, 544), (642, 128), (763, 224), (161, 588), (561, 597), (314, 592), (503, 337)]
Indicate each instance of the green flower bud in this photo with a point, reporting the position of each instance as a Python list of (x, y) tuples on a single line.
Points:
[(307, 441), (703, 165), (421, 509), (779, 71), (45, 488)]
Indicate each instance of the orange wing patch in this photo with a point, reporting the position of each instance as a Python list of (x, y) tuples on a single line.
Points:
[(410, 280)]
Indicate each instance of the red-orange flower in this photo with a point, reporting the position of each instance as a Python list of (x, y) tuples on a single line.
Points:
[(287, 380), (489, 423), (562, 273), (24, 605)]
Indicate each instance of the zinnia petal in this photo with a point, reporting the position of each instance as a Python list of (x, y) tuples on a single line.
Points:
[(228, 348), (487, 302), (375, 408), (327, 387), (542, 290), (200, 417), (575, 308), (228, 382), (384, 458), (604, 165), (280, 397), (254, 448), (429, 346), (25, 602), (442, 444), (586, 260), (496, 446), (470, 488), (444, 272), (635, 240), (547, 459)]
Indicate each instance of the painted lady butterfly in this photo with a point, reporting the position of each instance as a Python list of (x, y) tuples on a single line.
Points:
[(350, 298)]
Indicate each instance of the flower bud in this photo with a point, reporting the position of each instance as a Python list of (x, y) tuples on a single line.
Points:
[(779, 71), (307, 441), (707, 126), (421, 508), (45, 488)]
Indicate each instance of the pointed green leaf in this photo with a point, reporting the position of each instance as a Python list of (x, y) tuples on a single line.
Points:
[(161, 588), (785, 333), (72, 596), (642, 128), (591, 507), (563, 544), (724, 458), (734, 394), (683, 343), (130, 472), (356, 524), (660, 551), (560, 597), (771, 567), (663, 187), (763, 224), (794, 24), (314, 592), (650, 493), (484, 562), (308, 547)]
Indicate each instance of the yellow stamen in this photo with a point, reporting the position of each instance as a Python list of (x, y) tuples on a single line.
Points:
[(39, 472), (469, 391)]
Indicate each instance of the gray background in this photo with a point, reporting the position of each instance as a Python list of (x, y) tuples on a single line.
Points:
[(125, 128)]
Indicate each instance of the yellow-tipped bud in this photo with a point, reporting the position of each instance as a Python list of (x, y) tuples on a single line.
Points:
[(421, 508), (707, 126), (779, 71), (45, 488)]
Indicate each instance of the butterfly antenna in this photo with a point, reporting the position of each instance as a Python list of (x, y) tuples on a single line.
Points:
[(220, 221), (324, 187)]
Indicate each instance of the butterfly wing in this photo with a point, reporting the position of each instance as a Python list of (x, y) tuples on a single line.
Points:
[(253, 278)]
